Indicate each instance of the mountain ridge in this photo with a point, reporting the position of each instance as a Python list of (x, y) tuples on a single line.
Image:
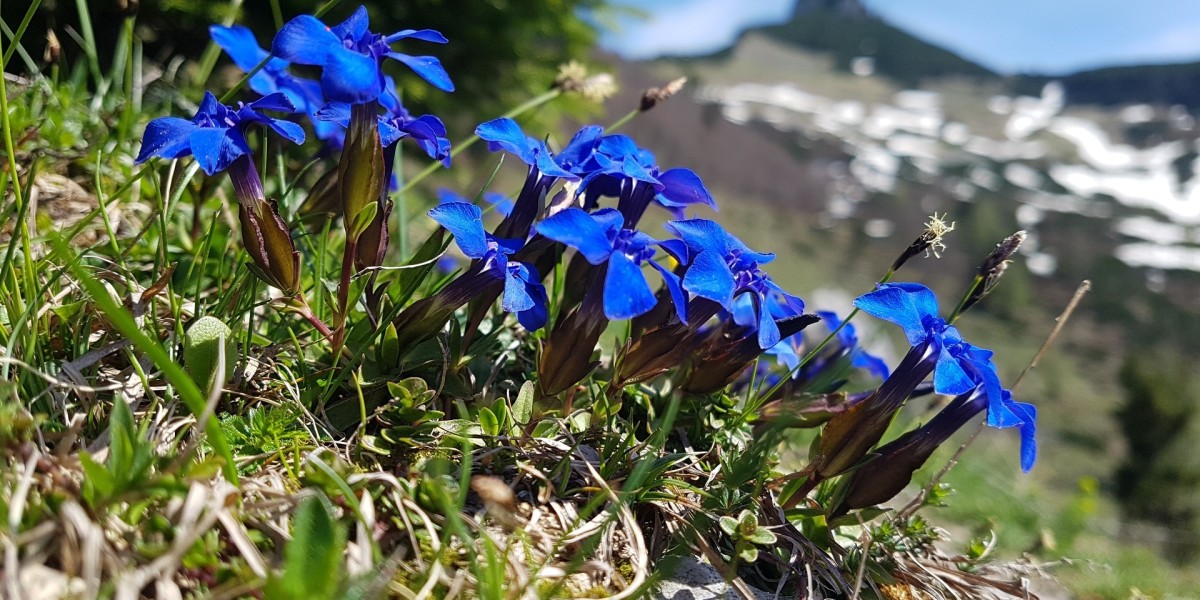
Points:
[(847, 30)]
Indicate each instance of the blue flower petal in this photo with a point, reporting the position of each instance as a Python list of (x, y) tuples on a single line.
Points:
[(744, 310), (505, 134), (389, 134), (305, 40), (535, 317), (336, 112), (676, 248), (611, 220), (678, 298), (631, 168), (277, 101), (354, 27), (425, 35), (428, 67), (351, 77), (430, 134), (580, 231), (166, 137), (894, 304), (209, 105), (241, 46), (768, 331), (547, 166), (873, 364), (215, 148), (581, 147), (516, 295), (1028, 414), (949, 377), (626, 293), (465, 222), (701, 235), (503, 204), (682, 187), (709, 277), (287, 130)]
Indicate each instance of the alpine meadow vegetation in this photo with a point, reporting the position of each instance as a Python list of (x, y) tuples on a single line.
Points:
[(247, 351)]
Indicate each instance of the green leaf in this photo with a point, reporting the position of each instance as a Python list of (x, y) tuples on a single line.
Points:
[(762, 537), (522, 411), (545, 429), (201, 348), (363, 219), (488, 422), (728, 524), (580, 421), (98, 484), (389, 347), (502, 414), (749, 554), (313, 559), (747, 522)]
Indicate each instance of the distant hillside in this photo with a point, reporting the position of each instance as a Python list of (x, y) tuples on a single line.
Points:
[(1112, 86), (847, 30)]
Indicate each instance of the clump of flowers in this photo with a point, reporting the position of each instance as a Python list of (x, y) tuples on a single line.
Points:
[(570, 259)]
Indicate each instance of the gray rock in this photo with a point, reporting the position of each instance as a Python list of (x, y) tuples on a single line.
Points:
[(695, 580)]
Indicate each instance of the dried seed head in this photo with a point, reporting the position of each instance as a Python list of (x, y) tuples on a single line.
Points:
[(993, 267), (570, 76), (653, 96), (53, 48), (573, 77), (599, 87), (929, 242), (996, 261)]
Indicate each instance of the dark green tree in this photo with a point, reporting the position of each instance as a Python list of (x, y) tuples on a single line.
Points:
[(501, 52), (1157, 482)]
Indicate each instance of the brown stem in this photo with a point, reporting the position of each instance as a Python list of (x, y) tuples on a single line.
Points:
[(339, 332)]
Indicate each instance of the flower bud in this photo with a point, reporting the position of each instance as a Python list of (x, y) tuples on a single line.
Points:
[(361, 172), (269, 242), (265, 235)]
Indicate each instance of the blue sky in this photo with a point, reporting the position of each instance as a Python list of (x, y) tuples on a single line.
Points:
[(1045, 36)]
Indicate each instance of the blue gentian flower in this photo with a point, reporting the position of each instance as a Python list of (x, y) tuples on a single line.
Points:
[(616, 164), (505, 134), (216, 136), (961, 366), (427, 131), (848, 338), (544, 170), (523, 291), (723, 268), (600, 238), (350, 55), (305, 94)]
